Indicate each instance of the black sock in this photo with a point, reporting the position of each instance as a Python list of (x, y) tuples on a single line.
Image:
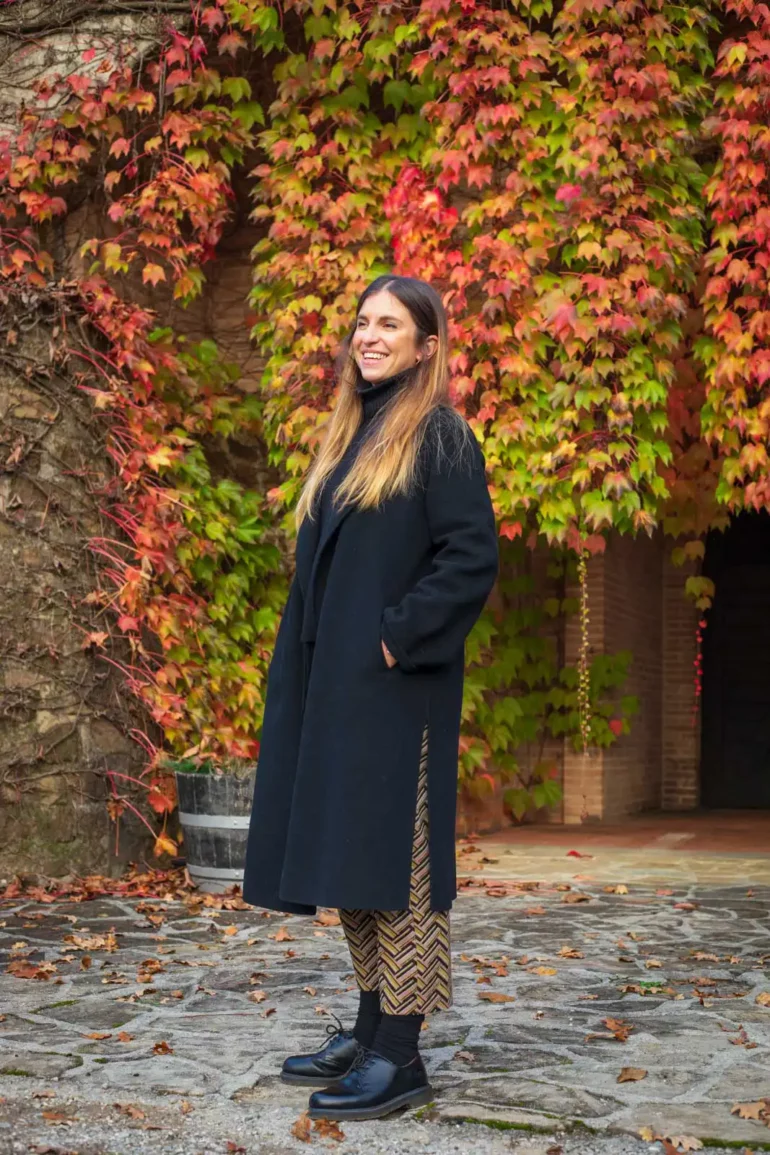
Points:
[(369, 1016), (397, 1038)]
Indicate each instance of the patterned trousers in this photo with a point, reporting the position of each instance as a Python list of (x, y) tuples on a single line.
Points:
[(405, 954)]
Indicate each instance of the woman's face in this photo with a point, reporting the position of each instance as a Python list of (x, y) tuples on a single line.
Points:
[(385, 338)]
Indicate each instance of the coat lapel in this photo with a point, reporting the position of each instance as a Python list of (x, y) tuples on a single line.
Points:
[(312, 542)]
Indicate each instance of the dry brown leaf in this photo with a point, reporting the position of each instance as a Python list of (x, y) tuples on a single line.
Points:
[(763, 999), (535, 910), (327, 1129), (130, 1109), (231, 929), (760, 1111), (301, 1129), (58, 1117), (124, 1037), (576, 896), (309, 990), (162, 1048), (653, 964), (319, 1010), (282, 935), (570, 952), (542, 970), (621, 888), (496, 997), (703, 956), (631, 1074), (466, 1056), (235, 1148), (327, 918), (684, 1142), (98, 1035), (256, 996), (185, 1106), (647, 1134)]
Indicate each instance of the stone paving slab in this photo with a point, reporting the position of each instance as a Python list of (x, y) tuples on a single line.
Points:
[(607, 863), (191, 1015)]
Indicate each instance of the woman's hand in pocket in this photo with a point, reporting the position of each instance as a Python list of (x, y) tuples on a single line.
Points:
[(389, 659)]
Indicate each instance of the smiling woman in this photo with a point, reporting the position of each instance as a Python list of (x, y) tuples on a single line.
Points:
[(356, 788)]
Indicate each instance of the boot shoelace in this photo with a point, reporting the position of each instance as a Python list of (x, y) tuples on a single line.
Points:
[(333, 1031)]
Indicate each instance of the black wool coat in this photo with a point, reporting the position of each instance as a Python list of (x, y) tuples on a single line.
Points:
[(334, 803)]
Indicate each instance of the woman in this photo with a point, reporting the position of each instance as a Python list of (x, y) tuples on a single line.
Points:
[(355, 797)]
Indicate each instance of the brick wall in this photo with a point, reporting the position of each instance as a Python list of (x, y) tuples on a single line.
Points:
[(681, 740)]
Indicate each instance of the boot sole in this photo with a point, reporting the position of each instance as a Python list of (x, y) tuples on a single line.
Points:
[(417, 1098), (313, 1080)]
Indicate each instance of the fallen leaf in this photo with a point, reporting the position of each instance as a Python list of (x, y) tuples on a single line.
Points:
[(535, 910), (235, 1148), (496, 997), (185, 1106), (309, 990), (327, 918), (98, 1035), (760, 1111), (685, 906), (301, 1129), (327, 1129), (576, 896), (282, 935), (647, 1134), (466, 1056), (256, 996), (232, 929), (621, 888), (631, 1074), (162, 1048), (130, 1109), (578, 854), (570, 952), (763, 999), (742, 1040), (542, 970), (653, 964), (58, 1117), (684, 1142)]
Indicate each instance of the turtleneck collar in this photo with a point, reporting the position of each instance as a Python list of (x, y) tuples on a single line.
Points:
[(375, 396)]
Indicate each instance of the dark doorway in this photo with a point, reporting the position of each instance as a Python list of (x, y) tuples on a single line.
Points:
[(735, 753)]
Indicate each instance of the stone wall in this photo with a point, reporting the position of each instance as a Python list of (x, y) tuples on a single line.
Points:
[(64, 717)]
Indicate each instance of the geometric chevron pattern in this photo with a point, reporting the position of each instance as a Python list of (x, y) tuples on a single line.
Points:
[(405, 953)]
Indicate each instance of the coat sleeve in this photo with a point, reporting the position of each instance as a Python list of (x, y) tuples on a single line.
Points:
[(430, 624)]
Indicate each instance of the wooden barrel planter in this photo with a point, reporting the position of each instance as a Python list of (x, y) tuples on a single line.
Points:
[(214, 811)]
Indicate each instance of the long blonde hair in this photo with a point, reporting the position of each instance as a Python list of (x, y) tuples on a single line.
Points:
[(387, 460)]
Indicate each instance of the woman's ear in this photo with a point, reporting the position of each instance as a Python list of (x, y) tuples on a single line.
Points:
[(428, 349)]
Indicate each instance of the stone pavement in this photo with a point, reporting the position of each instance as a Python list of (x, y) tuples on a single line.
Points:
[(159, 1025)]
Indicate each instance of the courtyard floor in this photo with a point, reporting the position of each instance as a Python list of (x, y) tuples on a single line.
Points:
[(608, 1000)]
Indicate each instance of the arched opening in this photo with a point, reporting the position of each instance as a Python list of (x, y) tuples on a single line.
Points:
[(735, 750)]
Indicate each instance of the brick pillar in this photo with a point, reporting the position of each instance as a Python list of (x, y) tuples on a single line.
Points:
[(681, 740), (625, 589)]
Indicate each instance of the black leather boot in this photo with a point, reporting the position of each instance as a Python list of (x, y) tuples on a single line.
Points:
[(372, 1088), (325, 1066)]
